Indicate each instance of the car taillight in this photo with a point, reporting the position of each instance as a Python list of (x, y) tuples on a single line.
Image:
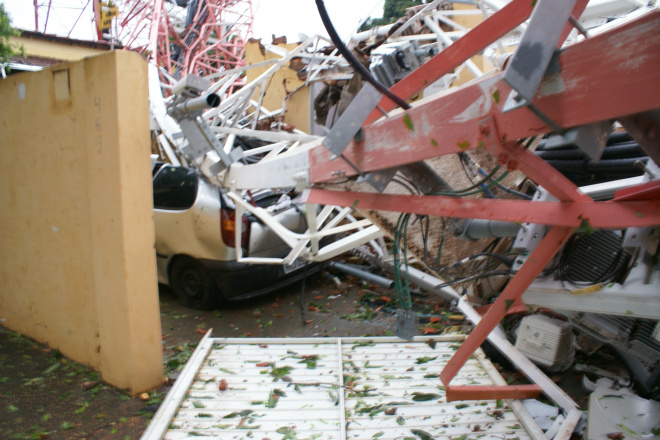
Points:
[(228, 229)]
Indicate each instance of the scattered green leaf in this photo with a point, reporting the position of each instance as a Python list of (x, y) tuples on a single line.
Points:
[(311, 360), (272, 400), (288, 432), (368, 365), (280, 372), (408, 122), (422, 434), (425, 397), (425, 359), (586, 227), (52, 368), (221, 426), (244, 413), (82, 408)]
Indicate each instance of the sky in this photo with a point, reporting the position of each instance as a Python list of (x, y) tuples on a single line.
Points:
[(280, 17), (291, 17)]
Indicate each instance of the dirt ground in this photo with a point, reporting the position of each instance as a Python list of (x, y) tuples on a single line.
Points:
[(43, 395)]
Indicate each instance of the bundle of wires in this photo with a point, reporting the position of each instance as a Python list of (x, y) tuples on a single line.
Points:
[(401, 229), (472, 170), (401, 242)]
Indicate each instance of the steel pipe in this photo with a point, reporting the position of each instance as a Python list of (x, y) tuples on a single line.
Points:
[(200, 103), (363, 274)]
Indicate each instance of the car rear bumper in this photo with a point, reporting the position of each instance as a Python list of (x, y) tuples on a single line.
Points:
[(238, 281)]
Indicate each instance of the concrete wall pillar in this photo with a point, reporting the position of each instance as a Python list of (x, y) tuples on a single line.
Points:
[(77, 268)]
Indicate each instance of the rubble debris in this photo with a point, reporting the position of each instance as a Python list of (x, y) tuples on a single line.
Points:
[(620, 414)]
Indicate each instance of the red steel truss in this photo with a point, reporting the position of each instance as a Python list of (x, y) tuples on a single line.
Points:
[(206, 38), (202, 37), (614, 75)]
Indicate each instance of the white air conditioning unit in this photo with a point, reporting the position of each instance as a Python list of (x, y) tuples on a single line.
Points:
[(546, 341)]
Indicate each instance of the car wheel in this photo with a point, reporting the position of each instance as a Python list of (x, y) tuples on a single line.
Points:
[(193, 285)]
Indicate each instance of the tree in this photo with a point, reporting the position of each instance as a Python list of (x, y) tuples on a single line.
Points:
[(392, 11), (7, 50)]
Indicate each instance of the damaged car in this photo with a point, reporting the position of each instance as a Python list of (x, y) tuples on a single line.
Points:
[(195, 240)]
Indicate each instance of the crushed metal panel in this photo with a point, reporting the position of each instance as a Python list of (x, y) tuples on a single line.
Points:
[(329, 388)]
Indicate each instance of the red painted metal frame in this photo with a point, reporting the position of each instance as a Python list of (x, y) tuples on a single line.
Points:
[(471, 117), (608, 214), (214, 44), (528, 272), (492, 392), (625, 82), (476, 40), (645, 191)]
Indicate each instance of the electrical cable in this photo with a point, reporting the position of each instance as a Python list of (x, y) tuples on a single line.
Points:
[(474, 277), (480, 171), (464, 162), (352, 60), (407, 185), (302, 294), (302, 290)]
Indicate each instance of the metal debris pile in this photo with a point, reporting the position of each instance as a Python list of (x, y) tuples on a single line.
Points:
[(600, 288)]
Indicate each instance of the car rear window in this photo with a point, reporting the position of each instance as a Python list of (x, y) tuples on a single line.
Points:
[(175, 188)]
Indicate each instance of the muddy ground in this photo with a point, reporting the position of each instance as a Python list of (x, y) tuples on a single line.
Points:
[(43, 395)]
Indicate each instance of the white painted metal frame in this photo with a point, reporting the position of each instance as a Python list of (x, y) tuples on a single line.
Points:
[(316, 230), (285, 162), (344, 394)]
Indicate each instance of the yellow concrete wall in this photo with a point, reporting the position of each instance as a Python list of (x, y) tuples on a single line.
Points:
[(77, 267), (52, 49), (284, 81)]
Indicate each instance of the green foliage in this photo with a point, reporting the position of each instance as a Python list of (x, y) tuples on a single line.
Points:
[(392, 11), (7, 50)]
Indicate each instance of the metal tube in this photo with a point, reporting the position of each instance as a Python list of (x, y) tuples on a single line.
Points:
[(618, 151), (475, 229), (363, 274), (196, 104)]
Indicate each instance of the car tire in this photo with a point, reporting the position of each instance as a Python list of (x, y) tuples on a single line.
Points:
[(193, 285)]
